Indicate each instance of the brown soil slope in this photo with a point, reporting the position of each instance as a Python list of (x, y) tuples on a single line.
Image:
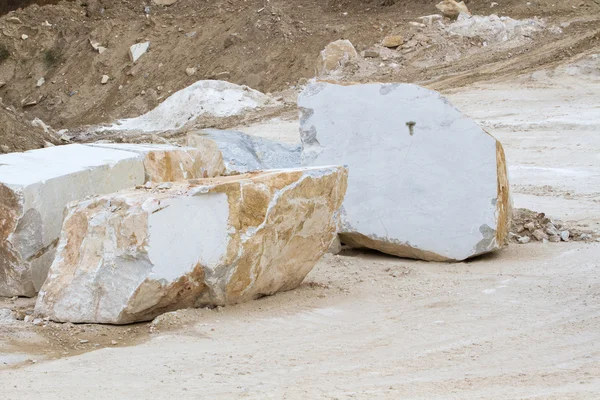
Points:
[(266, 45)]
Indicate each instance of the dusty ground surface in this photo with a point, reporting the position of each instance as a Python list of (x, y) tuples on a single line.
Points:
[(522, 323)]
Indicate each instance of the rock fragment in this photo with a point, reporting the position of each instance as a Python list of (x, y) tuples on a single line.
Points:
[(524, 239), (409, 178), (190, 71), (334, 56), (133, 255), (105, 79), (137, 50), (97, 46), (452, 9), (392, 41), (370, 53), (540, 235), (564, 236)]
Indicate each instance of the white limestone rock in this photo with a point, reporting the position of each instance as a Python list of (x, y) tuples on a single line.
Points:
[(137, 50), (133, 255), (205, 98), (425, 181), (35, 187), (232, 152)]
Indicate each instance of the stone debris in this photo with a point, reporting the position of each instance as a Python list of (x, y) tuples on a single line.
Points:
[(392, 41), (190, 71), (494, 29), (135, 254), (370, 53), (24, 37), (36, 186), (40, 82), (231, 152), (203, 98), (430, 19), (452, 9), (6, 316), (409, 177), (137, 50), (540, 235), (105, 79), (97, 46), (530, 226), (334, 56)]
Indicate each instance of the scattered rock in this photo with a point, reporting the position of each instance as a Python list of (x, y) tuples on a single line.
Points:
[(24, 37), (564, 236), (494, 29), (396, 129), (40, 82), (530, 226), (554, 239), (84, 341), (452, 9), (540, 235), (203, 98), (392, 41), (37, 321), (430, 19), (6, 316), (551, 229), (222, 75), (370, 53), (97, 46), (28, 318), (336, 246), (190, 71), (524, 239), (114, 342), (201, 243), (105, 79), (137, 50), (232, 152), (335, 55)]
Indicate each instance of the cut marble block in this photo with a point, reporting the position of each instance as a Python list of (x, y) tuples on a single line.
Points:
[(132, 255), (35, 187), (425, 181), (230, 152)]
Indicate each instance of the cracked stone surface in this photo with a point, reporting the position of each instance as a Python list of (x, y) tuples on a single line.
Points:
[(133, 255), (35, 187), (225, 152), (425, 181)]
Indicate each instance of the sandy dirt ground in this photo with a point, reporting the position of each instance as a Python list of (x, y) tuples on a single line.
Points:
[(522, 323)]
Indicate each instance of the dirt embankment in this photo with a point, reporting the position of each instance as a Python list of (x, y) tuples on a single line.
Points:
[(267, 46), (10, 5)]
